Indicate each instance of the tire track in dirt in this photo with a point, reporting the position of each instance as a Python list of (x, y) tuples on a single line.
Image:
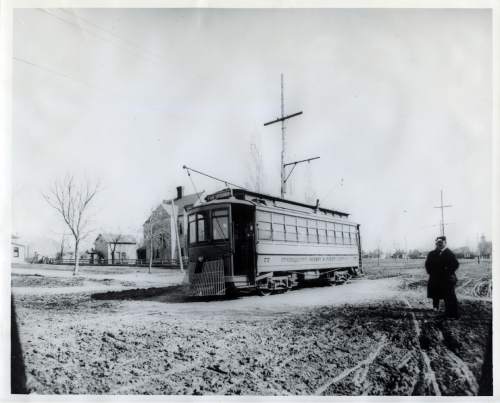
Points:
[(429, 375), (482, 289), (360, 371), (462, 368)]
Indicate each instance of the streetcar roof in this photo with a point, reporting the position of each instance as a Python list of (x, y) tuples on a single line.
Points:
[(235, 195), (232, 200), (270, 203), (247, 194)]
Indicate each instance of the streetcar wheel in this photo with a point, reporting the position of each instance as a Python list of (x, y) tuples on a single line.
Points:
[(264, 292)]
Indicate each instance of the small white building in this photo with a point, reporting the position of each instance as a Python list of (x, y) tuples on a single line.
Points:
[(115, 248), (18, 250)]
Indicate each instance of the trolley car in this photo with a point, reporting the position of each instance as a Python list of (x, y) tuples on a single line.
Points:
[(241, 240)]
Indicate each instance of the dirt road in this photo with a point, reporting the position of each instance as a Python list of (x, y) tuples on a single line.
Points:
[(372, 336)]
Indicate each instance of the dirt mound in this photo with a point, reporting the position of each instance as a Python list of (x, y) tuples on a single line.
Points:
[(176, 293)]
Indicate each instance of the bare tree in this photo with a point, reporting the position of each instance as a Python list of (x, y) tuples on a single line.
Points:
[(72, 200), (256, 175), (154, 232), (62, 247), (310, 194), (115, 240)]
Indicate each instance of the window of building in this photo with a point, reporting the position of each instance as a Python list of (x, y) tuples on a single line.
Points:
[(16, 251), (179, 225)]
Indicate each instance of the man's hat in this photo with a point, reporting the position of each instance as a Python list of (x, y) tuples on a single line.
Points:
[(441, 238)]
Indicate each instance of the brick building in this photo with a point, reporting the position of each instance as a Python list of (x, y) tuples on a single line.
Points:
[(159, 226)]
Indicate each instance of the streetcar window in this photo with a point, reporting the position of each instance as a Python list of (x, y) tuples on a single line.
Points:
[(278, 218), (290, 220), (220, 224), (264, 230), (330, 226), (291, 233), (331, 236), (338, 237), (278, 231), (201, 228), (322, 235), (302, 234), (345, 237), (322, 232), (192, 229), (312, 223), (312, 235), (198, 224), (263, 216)]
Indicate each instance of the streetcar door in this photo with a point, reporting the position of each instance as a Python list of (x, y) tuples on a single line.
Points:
[(244, 243)]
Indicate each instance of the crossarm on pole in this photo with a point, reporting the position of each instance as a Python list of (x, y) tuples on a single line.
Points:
[(283, 118)]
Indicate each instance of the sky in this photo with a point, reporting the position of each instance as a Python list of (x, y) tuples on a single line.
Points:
[(397, 103)]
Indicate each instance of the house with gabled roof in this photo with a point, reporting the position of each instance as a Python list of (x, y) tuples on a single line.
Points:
[(164, 221), (18, 250), (115, 247)]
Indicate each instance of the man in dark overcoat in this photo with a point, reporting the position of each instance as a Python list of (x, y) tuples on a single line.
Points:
[(441, 265)]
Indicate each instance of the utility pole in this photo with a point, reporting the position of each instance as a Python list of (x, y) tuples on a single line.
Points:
[(282, 119), (442, 207)]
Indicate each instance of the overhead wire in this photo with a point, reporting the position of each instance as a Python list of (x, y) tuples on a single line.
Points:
[(50, 70), (125, 40), (58, 73), (80, 27)]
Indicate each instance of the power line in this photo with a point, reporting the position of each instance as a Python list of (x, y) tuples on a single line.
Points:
[(125, 40), (95, 34), (50, 70)]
